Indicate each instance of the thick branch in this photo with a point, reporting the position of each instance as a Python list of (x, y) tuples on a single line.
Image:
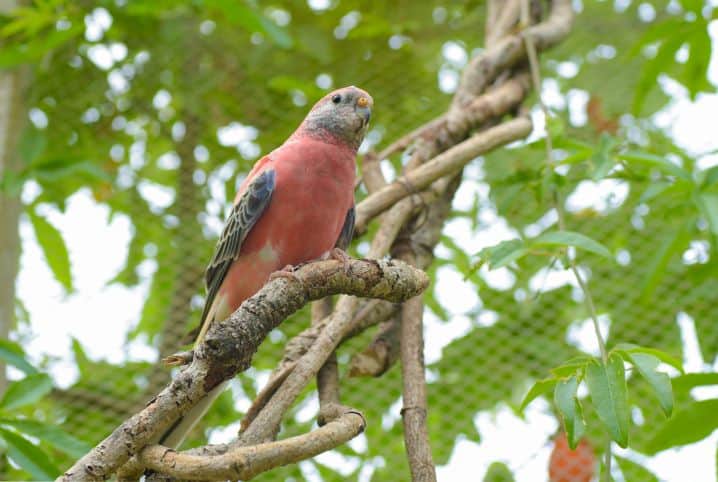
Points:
[(409, 138), (328, 376), (380, 354), (245, 462), (507, 52), (266, 425), (416, 434), (442, 165), (229, 346)]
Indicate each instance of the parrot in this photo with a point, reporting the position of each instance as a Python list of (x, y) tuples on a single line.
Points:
[(295, 205)]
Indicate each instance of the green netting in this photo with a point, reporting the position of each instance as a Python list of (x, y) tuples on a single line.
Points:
[(141, 104)]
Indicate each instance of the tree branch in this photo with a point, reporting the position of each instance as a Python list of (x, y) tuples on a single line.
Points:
[(442, 165), (413, 413), (243, 463), (507, 52), (230, 344)]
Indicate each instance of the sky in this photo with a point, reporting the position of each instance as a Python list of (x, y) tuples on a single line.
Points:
[(100, 315)]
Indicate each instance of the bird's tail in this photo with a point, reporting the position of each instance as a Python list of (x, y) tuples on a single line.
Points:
[(176, 434)]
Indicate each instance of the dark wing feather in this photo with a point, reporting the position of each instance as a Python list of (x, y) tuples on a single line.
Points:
[(347, 233), (243, 217)]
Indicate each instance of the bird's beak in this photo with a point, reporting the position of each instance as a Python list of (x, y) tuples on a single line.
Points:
[(366, 113), (363, 108)]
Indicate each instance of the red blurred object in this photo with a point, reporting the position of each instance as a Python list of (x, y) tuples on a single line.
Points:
[(566, 465)]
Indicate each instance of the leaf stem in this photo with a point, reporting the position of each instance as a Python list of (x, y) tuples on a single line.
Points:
[(607, 462), (557, 202)]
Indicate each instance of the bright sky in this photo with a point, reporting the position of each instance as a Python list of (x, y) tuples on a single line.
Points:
[(100, 316)]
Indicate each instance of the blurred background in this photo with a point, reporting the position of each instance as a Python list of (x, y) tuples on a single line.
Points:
[(127, 126)]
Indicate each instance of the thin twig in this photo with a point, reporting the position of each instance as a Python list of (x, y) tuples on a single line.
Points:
[(558, 204), (557, 201)]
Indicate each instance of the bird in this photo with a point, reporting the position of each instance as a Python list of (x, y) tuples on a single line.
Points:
[(295, 205)]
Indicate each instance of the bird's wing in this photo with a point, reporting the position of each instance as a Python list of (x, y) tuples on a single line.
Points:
[(347, 232), (245, 214)]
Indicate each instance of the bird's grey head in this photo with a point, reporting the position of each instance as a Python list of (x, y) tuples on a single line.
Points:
[(342, 115)]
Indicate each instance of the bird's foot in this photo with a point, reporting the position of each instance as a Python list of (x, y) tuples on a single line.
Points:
[(179, 359), (286, 272), (341, 255)]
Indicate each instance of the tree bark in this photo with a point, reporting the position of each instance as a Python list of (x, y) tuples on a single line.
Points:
[(11, 123)]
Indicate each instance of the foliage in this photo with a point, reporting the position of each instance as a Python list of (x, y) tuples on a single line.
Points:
[(131, 99), (18, 422)]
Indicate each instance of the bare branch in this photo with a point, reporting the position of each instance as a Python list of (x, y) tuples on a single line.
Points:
[(371, 174), (409, 138), (380, 354), (328, 376), (504, 19), (266, 424), (245, 462), (442, 165), (483, 69), (230, 344), (413, 413)]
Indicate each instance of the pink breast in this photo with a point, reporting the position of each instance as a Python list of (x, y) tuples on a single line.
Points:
[(301, 223)]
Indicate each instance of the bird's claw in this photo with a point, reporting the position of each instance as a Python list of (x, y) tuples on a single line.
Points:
[(287, 272), (342, 256)]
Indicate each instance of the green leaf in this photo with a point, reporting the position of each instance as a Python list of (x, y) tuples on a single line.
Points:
[(498, 472), (12, 354), (252, 20), (571, 238), (567, 403), (710, 177), (539, 388), (50, 434), (695, 71), (503, 253), (54, 170), (555, 126), (671, 246), (574, 366), (54, 249), (708, 205), (26, 391), (660, 163), (633, 471), (659, 381), (684, 383), (692, 423), (32, 144), (15, 54), (602, 159), (607, 386), (664, 59), (81, 360), (654, 190), (661, 355), (29, 457)]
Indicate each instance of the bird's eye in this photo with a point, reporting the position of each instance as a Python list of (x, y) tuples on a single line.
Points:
[(336, 98)]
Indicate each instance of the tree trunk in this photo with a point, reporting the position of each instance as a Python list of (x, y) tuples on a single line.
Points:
[(11, 121)]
